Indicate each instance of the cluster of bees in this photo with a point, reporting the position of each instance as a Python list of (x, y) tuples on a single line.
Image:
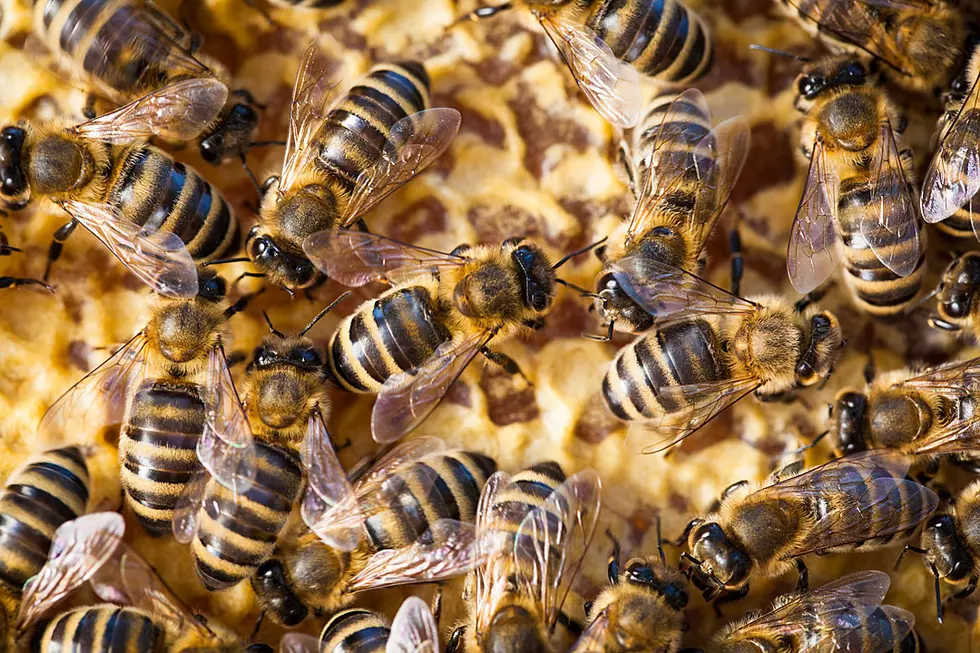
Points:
[(223, 471)]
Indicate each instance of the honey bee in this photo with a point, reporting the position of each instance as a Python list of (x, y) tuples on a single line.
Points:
[(607, 46), (156, 215), (122, 50), (233, 513), (344, 160), (857, 205), (843, 615), (708, 350), (534, 529), (955, 306), (410, 344), (682, 173), (406, 518), (160, 386), (858, 503), (641, 610)]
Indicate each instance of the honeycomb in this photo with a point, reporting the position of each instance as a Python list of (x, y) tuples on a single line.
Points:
[(532, 158)]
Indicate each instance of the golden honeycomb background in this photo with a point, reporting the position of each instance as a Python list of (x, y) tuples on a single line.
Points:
[(531, 158)]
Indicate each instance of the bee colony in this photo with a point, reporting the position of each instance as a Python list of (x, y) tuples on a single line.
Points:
[(729, 283)]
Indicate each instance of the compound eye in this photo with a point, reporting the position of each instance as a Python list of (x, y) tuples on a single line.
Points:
[(214, 288), (854, 72), (311, 357), (662, 231), (539, 301)]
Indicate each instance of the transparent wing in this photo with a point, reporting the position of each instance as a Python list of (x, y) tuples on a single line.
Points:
[(330, 507), (955, 382), (894, 236), (355, 258), (179, 111), (188, 508), (299, 643), (612, 86), (78, 550), (158, 258), (866, 629), (311, 99), (953, 176), (669, 293), (815, 243), (493, 531), (414, 629), (595, 637), (399, 456), (406, 399), (415, 142), (99, 398), (448, 549), (226, 448)]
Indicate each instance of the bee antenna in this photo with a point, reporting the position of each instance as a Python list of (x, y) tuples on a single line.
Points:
[(571, 255), (272, 329), (779, 53), (810, 445), (251, 175), (222, 261), (329, 308), (582, 291), (922, 301), (660, 543)]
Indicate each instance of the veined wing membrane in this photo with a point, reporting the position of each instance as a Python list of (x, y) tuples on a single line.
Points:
[(226, 448), (815, 243), (952, 179), (330, 507), (414, 629)]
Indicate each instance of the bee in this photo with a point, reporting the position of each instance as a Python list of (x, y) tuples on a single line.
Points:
[(955, 306), (344, 160), (233, 513), (844, 615), (858, 503), (857, 205), (682, 173), (641, 610), (160, 386), (534, 529), (607, 46), (410, 344), (408, 517), (122, 50), (139, 613), (709, 349), (156, 215)]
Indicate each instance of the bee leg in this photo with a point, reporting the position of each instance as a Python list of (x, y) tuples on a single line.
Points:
[(455, 640), (908, 547), (731, 488), (735, 248), (612, 571), (572, 625), (267, 184), (88, 110), (503, 360), (803, 583), (728, 596), (606, 337), (691, 525), (13, 282), (57, 243), (258, 626), (244, 275), (968, 590)]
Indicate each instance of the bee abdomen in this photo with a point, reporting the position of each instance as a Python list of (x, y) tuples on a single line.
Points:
[(158, 451), (357, 129), (102, 629), (236, 534), (355, 631), (158, 193), (399, 332), (49, 491), (960, 224)]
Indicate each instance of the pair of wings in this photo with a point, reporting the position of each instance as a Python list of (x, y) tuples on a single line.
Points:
[(101, 397), (889, 225), (540, 558), (90, 549), (414, 630), (332, 508), (843, 616)]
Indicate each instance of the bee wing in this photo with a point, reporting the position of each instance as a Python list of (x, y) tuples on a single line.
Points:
[(955, 379), (894, 236), (611, 85), (702, 401), (299, 643), (953, 176), (187, 510), (865, 498), (413, 144), (815, 242), (670, 293), (494, 533), (330, 507), (448, 549), (355, 258), (955, 382), (99, 398), (406, 399), (80, 547), (401, 455), (179, 111), (596, 636), (312, 93), (414, 629), (226, 448), (157, 258), (865, 629)]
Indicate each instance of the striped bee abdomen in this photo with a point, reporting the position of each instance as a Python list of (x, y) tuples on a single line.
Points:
[(236, 534), (103, 629), (52, 489), (355, 631), (156, 192), (157, 450), (397, 332)]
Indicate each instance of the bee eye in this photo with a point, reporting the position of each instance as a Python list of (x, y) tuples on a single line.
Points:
[(853, 73), (214, 288), (311, 357), (539, 301), (662, 231)]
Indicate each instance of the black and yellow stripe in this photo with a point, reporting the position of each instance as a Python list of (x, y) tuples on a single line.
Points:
[(103, 629), (237, 533), (157, 449), (52, 489), (397, 332), (355, 631)]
